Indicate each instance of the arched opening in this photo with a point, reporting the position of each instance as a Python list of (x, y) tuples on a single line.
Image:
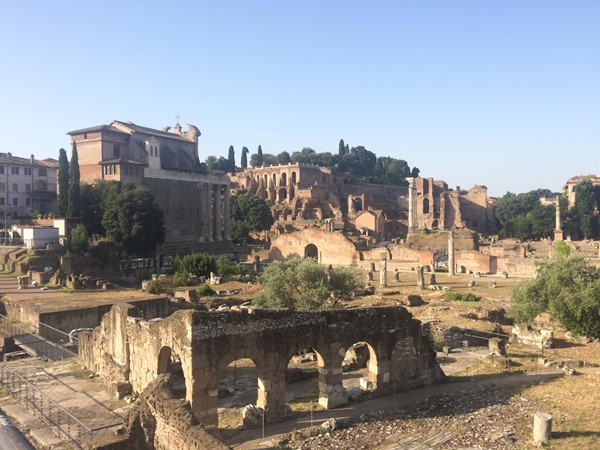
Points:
[(360, 369), (266, 178), (311, 251), (302, 389), (282, 197), (238, 387), (170, 363), (283, 179), (425, 187), (294, 180), (274, 179), (357, 204), (426, 206)]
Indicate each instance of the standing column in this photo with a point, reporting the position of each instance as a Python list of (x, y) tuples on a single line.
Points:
[(451, 266), (217, 213), (383, 269), (209, 212), (558, 233), (227, 213), (412, 204)]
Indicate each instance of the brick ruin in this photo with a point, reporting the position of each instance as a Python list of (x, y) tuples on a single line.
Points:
[(301, 193), (130, 353)]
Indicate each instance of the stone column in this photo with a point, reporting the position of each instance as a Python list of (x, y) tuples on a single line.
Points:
[(208, 222), (383, 269), (451, 264), (420, 279), (558, 233), (332, 392), (271, 392), (217, 213), (412, 204), (203, 214), (204, 401), (227, 213), (542, 427)]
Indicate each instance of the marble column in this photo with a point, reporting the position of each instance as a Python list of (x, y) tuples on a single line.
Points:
[(209, 212), (412, 204), (451, 264), (217, 213), (227, 212), (383, 269)]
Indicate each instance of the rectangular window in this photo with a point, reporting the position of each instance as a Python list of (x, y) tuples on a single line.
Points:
[(27, 201), (27, 170), (15, 187), (42, 172), (1, 169), (116, 150), (16, 201), (1, 201), (14, 170), (1, 187), (27, 188)]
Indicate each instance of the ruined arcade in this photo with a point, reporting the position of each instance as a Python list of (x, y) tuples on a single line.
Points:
[(129, 353)]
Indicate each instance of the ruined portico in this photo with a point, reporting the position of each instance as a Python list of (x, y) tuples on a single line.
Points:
[(128, 351)]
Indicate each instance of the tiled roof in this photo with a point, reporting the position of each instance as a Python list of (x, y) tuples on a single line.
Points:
[(17, 160), (151, 131), (95, 129)]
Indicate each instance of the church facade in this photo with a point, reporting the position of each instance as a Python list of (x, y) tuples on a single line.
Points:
[(195, 202)]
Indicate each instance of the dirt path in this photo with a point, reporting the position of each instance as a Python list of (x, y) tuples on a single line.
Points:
[(251, 439)]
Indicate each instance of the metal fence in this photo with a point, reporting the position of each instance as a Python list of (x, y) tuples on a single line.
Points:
[(60, 421), (37, 345)]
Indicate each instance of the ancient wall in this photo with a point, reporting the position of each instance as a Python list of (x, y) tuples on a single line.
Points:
[(327, 247), (128, 351), (473, 261)]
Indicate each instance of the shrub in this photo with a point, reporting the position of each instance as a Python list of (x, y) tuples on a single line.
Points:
[(458, 297), (79, 240), (199, 264), (227, 267), (205, 290), (106, 251), (562, 249)]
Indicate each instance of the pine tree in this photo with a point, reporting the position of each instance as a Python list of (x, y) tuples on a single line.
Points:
[(341, 148), (63, 184), (74, 209), (231, 159), (259, 158), (244, 161)]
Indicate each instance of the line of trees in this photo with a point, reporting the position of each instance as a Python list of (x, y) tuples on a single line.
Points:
[(357, 161)]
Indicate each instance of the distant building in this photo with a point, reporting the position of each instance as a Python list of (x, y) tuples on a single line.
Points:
[(27, 186), (574, 181), (195, 201)]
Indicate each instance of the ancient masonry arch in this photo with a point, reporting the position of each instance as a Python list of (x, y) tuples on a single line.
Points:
[(206, 342)]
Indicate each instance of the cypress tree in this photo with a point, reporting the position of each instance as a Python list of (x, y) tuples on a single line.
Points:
[(231, 159), (244, 161), (74, 209), (341, 148), (63, 184), (259, 157)]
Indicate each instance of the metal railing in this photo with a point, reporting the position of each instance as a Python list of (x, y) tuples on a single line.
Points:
[(37, 345), (61, 422)]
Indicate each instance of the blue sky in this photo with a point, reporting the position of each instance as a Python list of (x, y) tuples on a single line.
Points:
[(505, 94)]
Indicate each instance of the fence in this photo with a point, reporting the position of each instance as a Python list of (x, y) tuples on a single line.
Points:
[(60, 421), (38, 345)]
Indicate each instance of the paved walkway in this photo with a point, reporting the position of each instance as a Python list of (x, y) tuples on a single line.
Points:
[(252, 439)]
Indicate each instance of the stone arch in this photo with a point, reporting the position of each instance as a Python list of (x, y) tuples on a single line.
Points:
[(426, 206), (282, 194), (237, 382), (283, 180), (294, 179), (170, 363), (311, 251), (274, 179), (357, 204), (371, 364), (299, 368)]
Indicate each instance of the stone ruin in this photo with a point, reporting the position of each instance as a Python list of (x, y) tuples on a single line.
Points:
[(130, 353)]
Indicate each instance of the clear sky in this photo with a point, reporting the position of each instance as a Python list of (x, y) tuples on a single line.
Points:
[(505, 94)]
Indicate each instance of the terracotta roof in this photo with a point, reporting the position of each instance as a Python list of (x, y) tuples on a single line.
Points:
[(96, 128), (17, 160), (151, 131)]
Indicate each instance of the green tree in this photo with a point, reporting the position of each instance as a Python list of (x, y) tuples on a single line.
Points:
[(244, 161), (231, 160), (284, 158), (133, 219), (62, 203), (79, 240), (212, 163), (304, 285), (199, 264), (259, 157), (249, 214), (341, 148), (585, 209), (562, 249), (94, 198), (74, 208), (566, 288)]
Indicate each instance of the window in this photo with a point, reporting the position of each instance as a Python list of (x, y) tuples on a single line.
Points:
[(27, 188), (15, 187), (1, 201), (116, 150), (14, 170), (27, 170), (42, 172), (16, 201), (43, 186), (1, 169), (27, 201), (1, 187)]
